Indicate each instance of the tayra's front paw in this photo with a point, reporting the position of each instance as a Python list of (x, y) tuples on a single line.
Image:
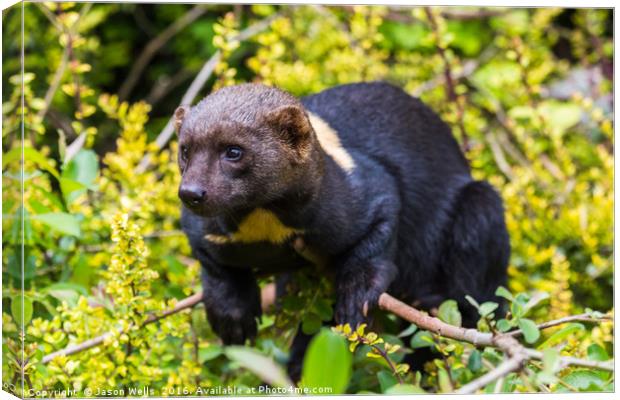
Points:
[(358, 293), (234, 324), (353, 305)]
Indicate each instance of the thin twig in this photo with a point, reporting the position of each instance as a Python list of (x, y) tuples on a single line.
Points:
[(506, 367), (469, 67), (566, 361), (155, 45), (560, 321), (184, 304), (450, 86), (498, 155), (464, 15), (165, 84), (199, 82), (60, 71), (51, 91)]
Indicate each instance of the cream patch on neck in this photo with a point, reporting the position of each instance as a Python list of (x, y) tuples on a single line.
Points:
[(259, 226), (330, 142)]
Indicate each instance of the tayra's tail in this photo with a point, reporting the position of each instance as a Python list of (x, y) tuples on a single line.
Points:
[(477, 247)]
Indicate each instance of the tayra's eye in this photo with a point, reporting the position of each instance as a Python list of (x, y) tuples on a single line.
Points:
[(233, 153), (184, 153)]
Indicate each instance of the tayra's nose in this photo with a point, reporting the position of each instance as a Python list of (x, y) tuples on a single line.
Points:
[(192, 195)]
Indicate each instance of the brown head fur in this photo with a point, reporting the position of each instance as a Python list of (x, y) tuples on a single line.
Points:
[(272, 130)]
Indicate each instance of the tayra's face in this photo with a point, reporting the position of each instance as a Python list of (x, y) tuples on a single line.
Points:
[(228, 165)]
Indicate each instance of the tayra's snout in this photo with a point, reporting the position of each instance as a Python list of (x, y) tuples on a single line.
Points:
[(192, 195)]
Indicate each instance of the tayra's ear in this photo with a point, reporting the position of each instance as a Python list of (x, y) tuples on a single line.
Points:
[(293, 126), (179, 116)]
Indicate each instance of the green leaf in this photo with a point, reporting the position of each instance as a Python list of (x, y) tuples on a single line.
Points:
[(445, 385), (551, 359), (495, 76), (66, 291), (503, 292), (562, 333), (487, 308), (469, 36), (71, 189), (594, 314), (30, 154), (386, 380), (535, 300), (472, 301), (311, 324), (323, 309), (259, 364), (504, 325), (404, 36), (597, 353), (409, 331), (422, 339), (530, 330), (474, 363), (175, 266), (405, 389), (327, 363), (60, 222), (209, 353), (82, 273), (585, 380), (560, 116), (79, 174), (449, 313), (15, 266), (16, 309)]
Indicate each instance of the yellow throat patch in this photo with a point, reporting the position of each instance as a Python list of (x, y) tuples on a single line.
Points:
[(258, 226)]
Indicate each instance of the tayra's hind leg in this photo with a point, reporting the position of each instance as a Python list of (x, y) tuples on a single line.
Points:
[(476, 248)]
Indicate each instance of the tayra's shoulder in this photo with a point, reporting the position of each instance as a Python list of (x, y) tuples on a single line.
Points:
[(364, 97)]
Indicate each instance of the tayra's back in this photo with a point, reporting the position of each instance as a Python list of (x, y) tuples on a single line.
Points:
[(384, 122), (410, 142)]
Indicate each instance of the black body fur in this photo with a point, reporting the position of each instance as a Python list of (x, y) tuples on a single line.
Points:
[(408, 219)]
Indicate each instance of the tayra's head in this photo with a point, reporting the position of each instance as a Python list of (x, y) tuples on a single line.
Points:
[(242, 147)]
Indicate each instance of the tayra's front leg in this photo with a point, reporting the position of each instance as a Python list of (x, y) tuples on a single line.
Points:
[(364, 273), (232, 302)]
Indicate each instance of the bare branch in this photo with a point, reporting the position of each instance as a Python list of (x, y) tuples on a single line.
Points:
[(506, 367), (165, 84), (69, 350), (60, 71), (566, 361), (75, 147), (498, 155), (426, 322), (473, 14), (51, 91), (155, 45), (449, 78), (560, 321), (267, 297)]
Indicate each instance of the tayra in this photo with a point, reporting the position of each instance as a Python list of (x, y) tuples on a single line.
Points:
[(365, 175)]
